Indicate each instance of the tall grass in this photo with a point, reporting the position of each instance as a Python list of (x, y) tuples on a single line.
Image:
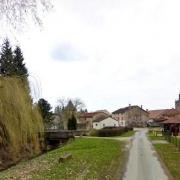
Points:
[(20, 121)]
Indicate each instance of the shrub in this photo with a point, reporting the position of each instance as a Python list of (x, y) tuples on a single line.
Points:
[(111, 131), (93, 132)]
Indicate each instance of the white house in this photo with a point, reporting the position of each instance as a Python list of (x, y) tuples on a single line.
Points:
[(105, 122)]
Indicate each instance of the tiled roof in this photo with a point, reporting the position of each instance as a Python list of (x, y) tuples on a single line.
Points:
[(170, 112), (92, 114), (155, 114), (165, 115), (173, 120), (87, 115), (123, 110)]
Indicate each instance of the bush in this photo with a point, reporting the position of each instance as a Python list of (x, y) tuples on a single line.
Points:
[(109, 132), (93, 132)]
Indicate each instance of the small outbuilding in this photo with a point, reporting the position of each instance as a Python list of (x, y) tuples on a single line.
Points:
[(105, 122)]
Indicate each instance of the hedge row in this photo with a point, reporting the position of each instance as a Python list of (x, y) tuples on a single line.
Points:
[(109, 132)]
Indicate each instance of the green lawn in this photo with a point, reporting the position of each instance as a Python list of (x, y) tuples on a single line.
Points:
[(153, 137), (171, 158), (128, 134), (92, 159)]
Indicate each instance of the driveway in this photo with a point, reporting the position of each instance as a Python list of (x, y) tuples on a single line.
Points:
[(142, 163)]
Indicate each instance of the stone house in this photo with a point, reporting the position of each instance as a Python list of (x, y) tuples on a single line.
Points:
[(131, 116)]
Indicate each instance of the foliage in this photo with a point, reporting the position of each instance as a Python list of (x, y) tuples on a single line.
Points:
[(11, 63), (108, 132), (6, 60), (21, 70), (72, 123), (45, 109), (20, 122), (92, 159)]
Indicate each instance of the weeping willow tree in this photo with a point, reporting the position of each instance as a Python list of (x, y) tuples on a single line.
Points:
[(20, 122)]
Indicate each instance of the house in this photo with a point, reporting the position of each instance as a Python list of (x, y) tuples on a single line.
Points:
[(156, 117), (131, 116), (100, 123), (172, 125), (86, 119), (163, 117)]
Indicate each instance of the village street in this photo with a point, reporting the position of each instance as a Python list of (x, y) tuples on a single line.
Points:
[(142, 163)]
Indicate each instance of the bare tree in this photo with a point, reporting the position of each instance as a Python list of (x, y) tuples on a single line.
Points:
[(17, 12), (62, 102), (68, 107), (77, 102)]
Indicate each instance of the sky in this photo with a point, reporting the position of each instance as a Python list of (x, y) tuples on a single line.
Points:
[(109, 53)]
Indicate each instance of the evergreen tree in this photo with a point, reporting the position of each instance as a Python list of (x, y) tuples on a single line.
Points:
[(21, 70), (45, 109), (11, 63), (7, 66), (72, 123)]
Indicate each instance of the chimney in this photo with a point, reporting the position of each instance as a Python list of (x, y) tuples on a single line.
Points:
[(141, 106)]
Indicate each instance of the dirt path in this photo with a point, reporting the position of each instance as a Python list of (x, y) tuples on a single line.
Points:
[(143, 164)]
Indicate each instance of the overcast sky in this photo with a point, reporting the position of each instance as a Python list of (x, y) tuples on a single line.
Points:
[(109, 53)]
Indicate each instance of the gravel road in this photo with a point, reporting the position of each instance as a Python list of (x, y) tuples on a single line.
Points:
[(143, 164)]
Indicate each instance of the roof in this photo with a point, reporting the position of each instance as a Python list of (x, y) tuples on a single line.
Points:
[(123, 110), (92, 114), (87, 115), (155, 114), (165, 115), (172, 120), (170, 112), (103, 111), (103, 118)]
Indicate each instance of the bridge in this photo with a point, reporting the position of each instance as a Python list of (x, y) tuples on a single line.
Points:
[(57, 137)]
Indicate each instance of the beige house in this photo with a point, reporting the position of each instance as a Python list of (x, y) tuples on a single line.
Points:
[(132, 115)]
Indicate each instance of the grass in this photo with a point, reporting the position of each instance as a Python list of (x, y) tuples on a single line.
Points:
[(152, 137), (92, 159), (171, 157), (128, 134)]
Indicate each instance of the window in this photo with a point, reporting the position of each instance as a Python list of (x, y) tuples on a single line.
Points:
[(104, 125), (96, 124)]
